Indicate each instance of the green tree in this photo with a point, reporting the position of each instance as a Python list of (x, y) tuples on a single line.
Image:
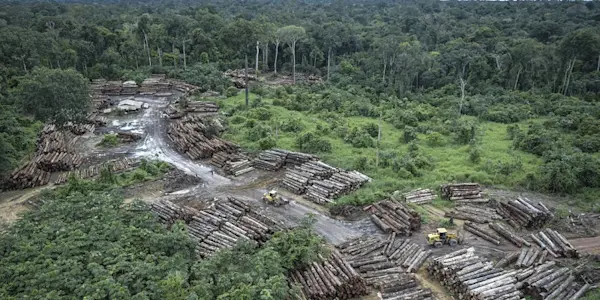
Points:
[(291, 35)]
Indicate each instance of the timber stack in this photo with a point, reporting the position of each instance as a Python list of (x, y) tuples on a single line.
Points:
[(522, 212), (394, 216), (129, 88), (128, 137), (420, 196), (275, 159), (555, 243), (510, 236), (386, 265), (220, 226), (482, 233), (475, 214), (155, 84), (547, 281), (116, 166), (27, 176), (469, 277), (201, 107), (184, 87), (530, 256), (55, 150), (234, 164), (332, 278), (191, 135), (112, 88), (463, 193)]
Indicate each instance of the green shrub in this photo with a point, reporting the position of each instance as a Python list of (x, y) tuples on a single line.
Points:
[(260, 113), (475, 154), (359, 138), (513, 132), (292, 125), (260, 131), (310, 142), (410, 134), (237, 119), (360, 163), (267, 143), (372, 129), (280, 92), (109, 140), (435, 139), (231, 92), (464, 131)]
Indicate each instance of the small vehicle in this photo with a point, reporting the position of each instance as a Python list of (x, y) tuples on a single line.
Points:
[(273, 198), (441, 237)]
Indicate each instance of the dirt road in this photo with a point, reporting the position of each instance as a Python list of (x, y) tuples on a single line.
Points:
[(590, 245)]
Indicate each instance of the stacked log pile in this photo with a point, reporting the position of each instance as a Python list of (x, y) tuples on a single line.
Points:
[(420, 196), (555, 243), (191, 136), (394, 216), (234, 164), (219, 226), (467, 276), (128, 137), (112, 88), (184, 87), (530, 256), (330, 279), (116, 166), (463, 193), (55, 150), (238, 77), (507, 234), (26, 176), (201, 107), (275, 159), (482, 233), (129, 88), (386, 265), (524, 213), (474, 214), (155, 84), (547, 281)]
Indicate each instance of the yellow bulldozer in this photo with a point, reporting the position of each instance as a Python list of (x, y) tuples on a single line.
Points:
[(274, 198), (441, 237)]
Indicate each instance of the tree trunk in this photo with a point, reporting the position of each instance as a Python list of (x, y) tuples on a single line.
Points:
[(184, 58), (568, 73), (246, 78), (598, 65), (328, 62), (276, 52), (517, 79), (147, 46), (24, 65), (384, 67), (159, 55), (256, 63), (173, 50), (463, 84), (294, 62), (266, 53), (378, 140)]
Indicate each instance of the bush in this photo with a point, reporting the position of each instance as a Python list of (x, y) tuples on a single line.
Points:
[(475, 154), (372, 129), (280, 92), (267, 143), (513, 131), (310, 142), (231, 92), (537, 140), (464, 131), (109, 140), (260, 131), (359, 138), (360, 164), (435, 139), (292, 125), (260, 113), (410, 134), (237, 119)]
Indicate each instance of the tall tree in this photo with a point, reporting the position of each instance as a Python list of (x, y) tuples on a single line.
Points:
[(291, 35)]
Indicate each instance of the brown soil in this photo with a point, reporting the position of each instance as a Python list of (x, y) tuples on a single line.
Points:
[(589, 245)]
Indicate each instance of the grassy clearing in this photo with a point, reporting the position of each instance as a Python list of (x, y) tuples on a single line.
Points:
[(450, 161)]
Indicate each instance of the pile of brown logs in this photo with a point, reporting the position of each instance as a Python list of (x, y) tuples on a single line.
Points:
[(420, 196), (524, 213), (201, 107), (546, 281), (184, 87), (507, 234), (26, 176), (129, 88), (238, 77), (482, 233), (55, 150), (191, 136), (530, 256), (474, 214), (154, 84), (57, 161), (112, 88), (394, 216), (219, 226), (555, 243), (234, 164), (463, 193), (128, 137), (386, 265), (469, 277), (332, 278), (116, 166), (275, 159)]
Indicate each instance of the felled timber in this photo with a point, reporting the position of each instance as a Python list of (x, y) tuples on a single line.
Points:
[(474, 214), (386, 265), (220, 226), (463, 193), (184, 87), (507, 234), (547, 281), (525, 213), (201, 107), (555, 243), (234, 164), (115, 166), (27, 176), (154, 85), (468, 276), (482, 233), (333, 278), (192, 135), (275, 159), (394, 216), (420, 196)]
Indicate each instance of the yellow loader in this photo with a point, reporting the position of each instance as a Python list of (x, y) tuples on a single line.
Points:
[(274, 198), (441, 237)]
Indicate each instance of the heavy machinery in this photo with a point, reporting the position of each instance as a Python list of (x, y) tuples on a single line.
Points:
[(441, 237), (274, 198)]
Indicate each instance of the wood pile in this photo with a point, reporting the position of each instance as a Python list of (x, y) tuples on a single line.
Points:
[(530, 256), (467, 276), (112, 88), (128, 137), (57, 161), (129, 88), (547, 281), (394, 216), (56, 151), (219, 226), (386, 265), (156, 83), (173, 112), (420, 196), (184, 87), (191, 135), (463, 193), (475, 214), (100, 101), (201, 107), (116, 166), (26, 176), (332, 279), (275, 159), (522, 212), (234, 164), (482, 233), (510, 236), (555, 243)]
